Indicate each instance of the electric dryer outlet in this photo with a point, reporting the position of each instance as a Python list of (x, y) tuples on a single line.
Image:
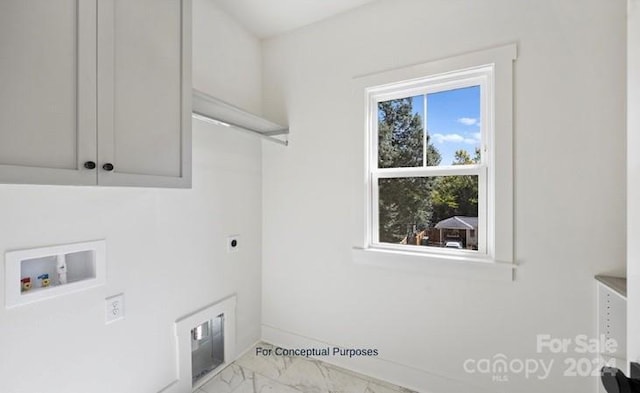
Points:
[(233, 243)]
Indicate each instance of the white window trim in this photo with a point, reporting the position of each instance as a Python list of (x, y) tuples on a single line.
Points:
[(496, 260)]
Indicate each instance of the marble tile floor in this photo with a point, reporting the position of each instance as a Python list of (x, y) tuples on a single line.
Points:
[(283, 374)]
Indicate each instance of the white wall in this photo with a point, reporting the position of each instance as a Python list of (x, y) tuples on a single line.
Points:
[(166, 248), (227, 60), (569, 189)]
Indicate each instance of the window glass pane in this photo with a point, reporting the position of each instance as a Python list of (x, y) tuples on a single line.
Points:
[(401, 132), (454, 126), (429, 211)]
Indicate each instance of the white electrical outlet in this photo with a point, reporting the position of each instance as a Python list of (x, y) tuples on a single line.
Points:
[(114, 308), (233, 243)]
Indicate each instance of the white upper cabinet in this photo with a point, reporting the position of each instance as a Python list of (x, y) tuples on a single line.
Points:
[(144, 92), (47, 91), (95, 92)]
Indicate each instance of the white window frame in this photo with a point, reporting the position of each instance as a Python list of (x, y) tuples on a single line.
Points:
[(482, 77), (492, 70)]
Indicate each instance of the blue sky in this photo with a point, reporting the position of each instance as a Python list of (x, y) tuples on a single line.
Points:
[(453, 120)]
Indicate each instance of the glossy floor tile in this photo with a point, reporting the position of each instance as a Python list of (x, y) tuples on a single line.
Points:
[(285, 374)]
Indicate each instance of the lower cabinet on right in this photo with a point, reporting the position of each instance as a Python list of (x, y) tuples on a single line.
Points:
[(612, 323)]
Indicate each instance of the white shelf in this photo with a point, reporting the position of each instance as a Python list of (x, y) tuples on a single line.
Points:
[(213, 110), (616, 284), (68, 268)]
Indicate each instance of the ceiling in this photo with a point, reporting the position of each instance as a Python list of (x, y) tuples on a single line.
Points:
[(267, 18)]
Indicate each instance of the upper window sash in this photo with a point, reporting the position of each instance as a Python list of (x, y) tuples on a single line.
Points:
[(477, 76)]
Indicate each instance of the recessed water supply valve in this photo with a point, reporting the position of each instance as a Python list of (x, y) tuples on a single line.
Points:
[(25, 284), (45, 281)]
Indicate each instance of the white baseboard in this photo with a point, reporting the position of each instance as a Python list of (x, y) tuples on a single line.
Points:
[(385, 370)]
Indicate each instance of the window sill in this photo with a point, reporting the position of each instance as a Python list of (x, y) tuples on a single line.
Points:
[(453, 266)]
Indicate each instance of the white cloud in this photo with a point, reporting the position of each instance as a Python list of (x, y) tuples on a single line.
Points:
[(470, 141), (442, 138), (456, 138), (468, 121)]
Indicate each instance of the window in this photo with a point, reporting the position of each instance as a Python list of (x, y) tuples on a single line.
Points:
[(429, 162), (438, 163)]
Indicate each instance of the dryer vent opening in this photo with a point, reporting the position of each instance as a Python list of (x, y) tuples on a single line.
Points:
[(206, 344), (207, 347)]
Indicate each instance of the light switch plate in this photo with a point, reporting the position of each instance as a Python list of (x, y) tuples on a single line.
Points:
[(114, 308)]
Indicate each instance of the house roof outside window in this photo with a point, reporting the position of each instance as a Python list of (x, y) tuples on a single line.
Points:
[(458, 222)]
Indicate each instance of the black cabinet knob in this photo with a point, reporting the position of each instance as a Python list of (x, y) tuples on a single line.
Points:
[(108, 167), (90, 165)]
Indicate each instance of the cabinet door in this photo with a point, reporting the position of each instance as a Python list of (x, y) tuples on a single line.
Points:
[(144, 92), (47, 91)]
